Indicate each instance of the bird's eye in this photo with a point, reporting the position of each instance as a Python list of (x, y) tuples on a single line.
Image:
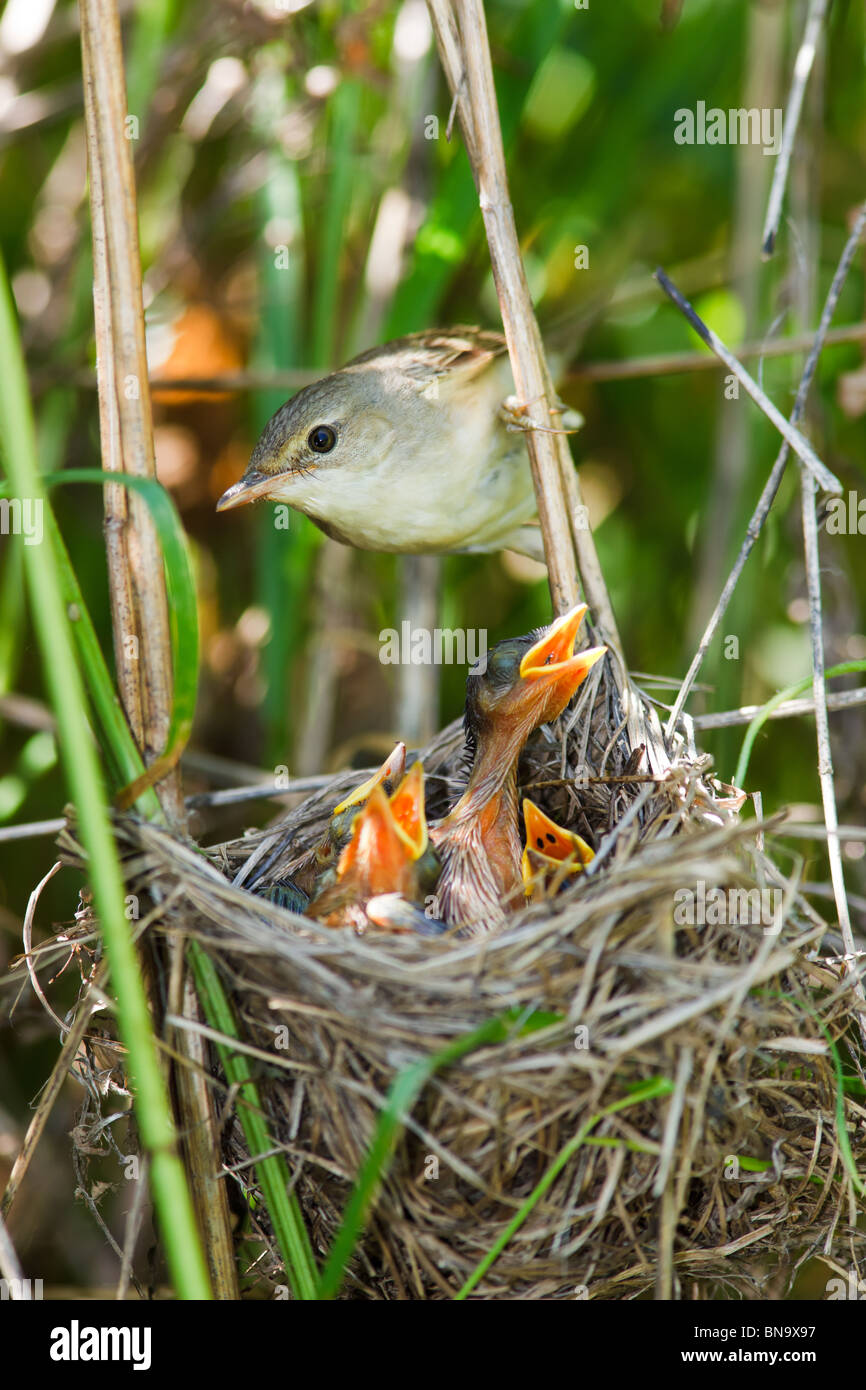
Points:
[(322, 439)]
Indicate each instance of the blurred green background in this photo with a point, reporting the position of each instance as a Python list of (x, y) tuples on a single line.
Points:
[(299, 202)]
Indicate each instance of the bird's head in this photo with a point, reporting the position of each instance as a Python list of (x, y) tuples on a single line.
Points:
[(387, 776), (389, 839), (527, 681), (333, 425)]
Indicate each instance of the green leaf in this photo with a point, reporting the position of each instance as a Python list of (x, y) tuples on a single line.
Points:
[(643, 1091), (789, 693), (84, 780), (403, 1094), (273, 1176), (183, 613)]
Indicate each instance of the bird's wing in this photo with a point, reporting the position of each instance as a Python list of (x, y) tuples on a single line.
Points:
[(461, 352)]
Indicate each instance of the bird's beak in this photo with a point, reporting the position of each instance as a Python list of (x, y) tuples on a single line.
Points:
[(546, 838), (407, 808), (379, 851), (551, 853), (251, 487), (391, 770), (552, 662)]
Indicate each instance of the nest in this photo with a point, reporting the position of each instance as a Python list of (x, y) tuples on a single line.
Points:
[(667, 1092)]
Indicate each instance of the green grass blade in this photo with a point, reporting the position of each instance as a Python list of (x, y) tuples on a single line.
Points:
[(402, 1095), (648, 1090), (789, 693), (112, 731), (66, 690), (283, 560), (283, 1207), (11, 616), (841, 1127), (344, 116), (183, 612)]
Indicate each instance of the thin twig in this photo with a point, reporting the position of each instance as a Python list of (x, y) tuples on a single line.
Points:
[(265, 791), (453, 65), (801, 446), (802, 830), (771, 487), (27, 934), (26, 712), (652, 364), (229, 796), (51, 1090), (32, 829), (251, 379), (802, 69), (825, 890), (822, 729), (671, 363), (729, 718), (132, 1230)]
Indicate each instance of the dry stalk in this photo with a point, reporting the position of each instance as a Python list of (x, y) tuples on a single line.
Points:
[(771, 487), (726, 719), (461, 36), (802, 69), (822, 729), (136, 578), (290, 379)]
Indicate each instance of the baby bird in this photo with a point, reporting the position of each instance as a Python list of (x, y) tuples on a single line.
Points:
[(388, 853), (407, 448), (527, 682), (551, 855), (293, 888)]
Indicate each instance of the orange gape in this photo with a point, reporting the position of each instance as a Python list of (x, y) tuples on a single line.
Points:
[(551, 854), (379, 856), (386, 857), (407, 807), (527, 681)]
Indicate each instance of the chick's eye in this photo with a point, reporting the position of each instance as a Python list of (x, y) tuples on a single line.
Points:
[(322, 439)]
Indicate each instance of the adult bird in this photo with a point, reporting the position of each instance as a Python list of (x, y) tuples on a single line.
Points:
[(526, 681), (412, 447)]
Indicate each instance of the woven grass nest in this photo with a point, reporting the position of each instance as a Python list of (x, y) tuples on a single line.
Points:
[(600, 991)]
